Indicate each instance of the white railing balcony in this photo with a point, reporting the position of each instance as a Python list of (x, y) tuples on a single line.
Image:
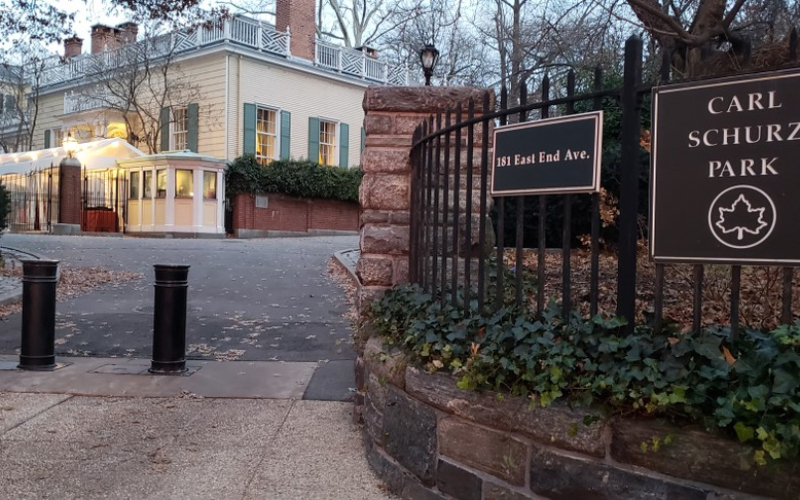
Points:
[(237, 30), (76, 102), (357, 63)]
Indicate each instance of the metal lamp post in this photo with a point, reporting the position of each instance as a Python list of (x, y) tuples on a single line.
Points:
[(428, 56)]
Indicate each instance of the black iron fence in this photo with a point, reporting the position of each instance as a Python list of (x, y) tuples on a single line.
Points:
[(103, 195), (33, 199), (459, 242)]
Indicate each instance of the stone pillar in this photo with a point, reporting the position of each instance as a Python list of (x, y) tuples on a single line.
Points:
[(391, 116), (69, 192)]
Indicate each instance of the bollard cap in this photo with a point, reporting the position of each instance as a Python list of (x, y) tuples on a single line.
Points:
[(171, 273), (39, 269)]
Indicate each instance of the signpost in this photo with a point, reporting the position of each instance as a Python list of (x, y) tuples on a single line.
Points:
[(725, 171), (555, 155)]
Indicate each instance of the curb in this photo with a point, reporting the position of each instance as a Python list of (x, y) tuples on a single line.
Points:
[(348, 259)]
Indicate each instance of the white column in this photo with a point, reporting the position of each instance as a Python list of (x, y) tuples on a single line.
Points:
[(153, 198), (220, 203), (169, 205), (197, 200), (141, 199)]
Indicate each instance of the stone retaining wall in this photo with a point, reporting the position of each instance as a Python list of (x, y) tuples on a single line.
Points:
[(427, 439)]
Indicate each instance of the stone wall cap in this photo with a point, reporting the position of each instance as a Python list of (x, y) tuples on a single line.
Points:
[(423, 99)]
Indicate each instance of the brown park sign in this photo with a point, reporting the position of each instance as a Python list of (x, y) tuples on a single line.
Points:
[(554, 155), (725, 171)]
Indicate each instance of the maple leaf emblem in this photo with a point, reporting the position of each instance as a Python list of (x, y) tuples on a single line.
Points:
[(742, 218)]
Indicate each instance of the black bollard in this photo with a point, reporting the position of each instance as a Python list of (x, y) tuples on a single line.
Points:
[(38, 350), (169, 319)]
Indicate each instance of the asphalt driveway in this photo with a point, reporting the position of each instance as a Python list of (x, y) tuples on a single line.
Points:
[(267, 299)]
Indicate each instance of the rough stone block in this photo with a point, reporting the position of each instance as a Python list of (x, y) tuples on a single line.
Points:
[(702, 456), (386, 364), (560, 477), (492, 491), (385, 192), (373, 420), (493, 452), (409, 429), (390, 160), (360, 371), (422, 100), (387, 240), (407, 124), (366, 295), (458, 482), (374, 217), (372, 270), (390, 472), (377, 123), (400, 270), (377, 390), (413, 490), (556, 425), (389, 141), (400, 217)]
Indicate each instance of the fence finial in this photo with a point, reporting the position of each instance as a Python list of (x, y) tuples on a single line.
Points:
[(793, 45)]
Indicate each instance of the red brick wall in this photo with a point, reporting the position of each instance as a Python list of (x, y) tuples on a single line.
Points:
[(286, 213)]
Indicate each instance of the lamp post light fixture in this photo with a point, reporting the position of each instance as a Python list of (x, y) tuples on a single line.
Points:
[(428, 56), (70, 145)]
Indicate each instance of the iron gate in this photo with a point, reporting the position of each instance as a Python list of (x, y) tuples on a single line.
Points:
[(453, 251)]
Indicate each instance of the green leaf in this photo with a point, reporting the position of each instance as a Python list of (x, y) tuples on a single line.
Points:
[(743, 432), (784, 381)]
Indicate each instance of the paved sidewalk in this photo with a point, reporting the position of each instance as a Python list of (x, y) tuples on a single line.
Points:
[(55, 444)]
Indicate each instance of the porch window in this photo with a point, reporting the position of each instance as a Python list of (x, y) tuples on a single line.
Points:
[(134, 191), (161, 183), (210, 185), (183, 184), (147, 188)]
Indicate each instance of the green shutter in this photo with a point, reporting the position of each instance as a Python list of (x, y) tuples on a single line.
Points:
[(165, 115), (193, 112), (249, 129), (286, 135), (46, 139), (344, 144), (363, 139), (313, 140)]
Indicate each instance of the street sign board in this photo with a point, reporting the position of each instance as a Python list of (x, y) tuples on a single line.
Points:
[(724, 174), (554, 155)]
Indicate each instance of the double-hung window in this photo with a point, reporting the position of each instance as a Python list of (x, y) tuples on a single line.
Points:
[(180, 128), (266, 135), (327, 143)]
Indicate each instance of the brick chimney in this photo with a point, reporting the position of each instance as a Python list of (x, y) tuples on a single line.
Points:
[(128, 32), (73, 47), (300, 17), (104, 38)]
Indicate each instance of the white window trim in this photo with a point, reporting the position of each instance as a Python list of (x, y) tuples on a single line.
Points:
[(337, 138), (173, 144), (277, 111)]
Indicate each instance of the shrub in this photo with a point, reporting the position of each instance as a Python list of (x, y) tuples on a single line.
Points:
[(302, 179)]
